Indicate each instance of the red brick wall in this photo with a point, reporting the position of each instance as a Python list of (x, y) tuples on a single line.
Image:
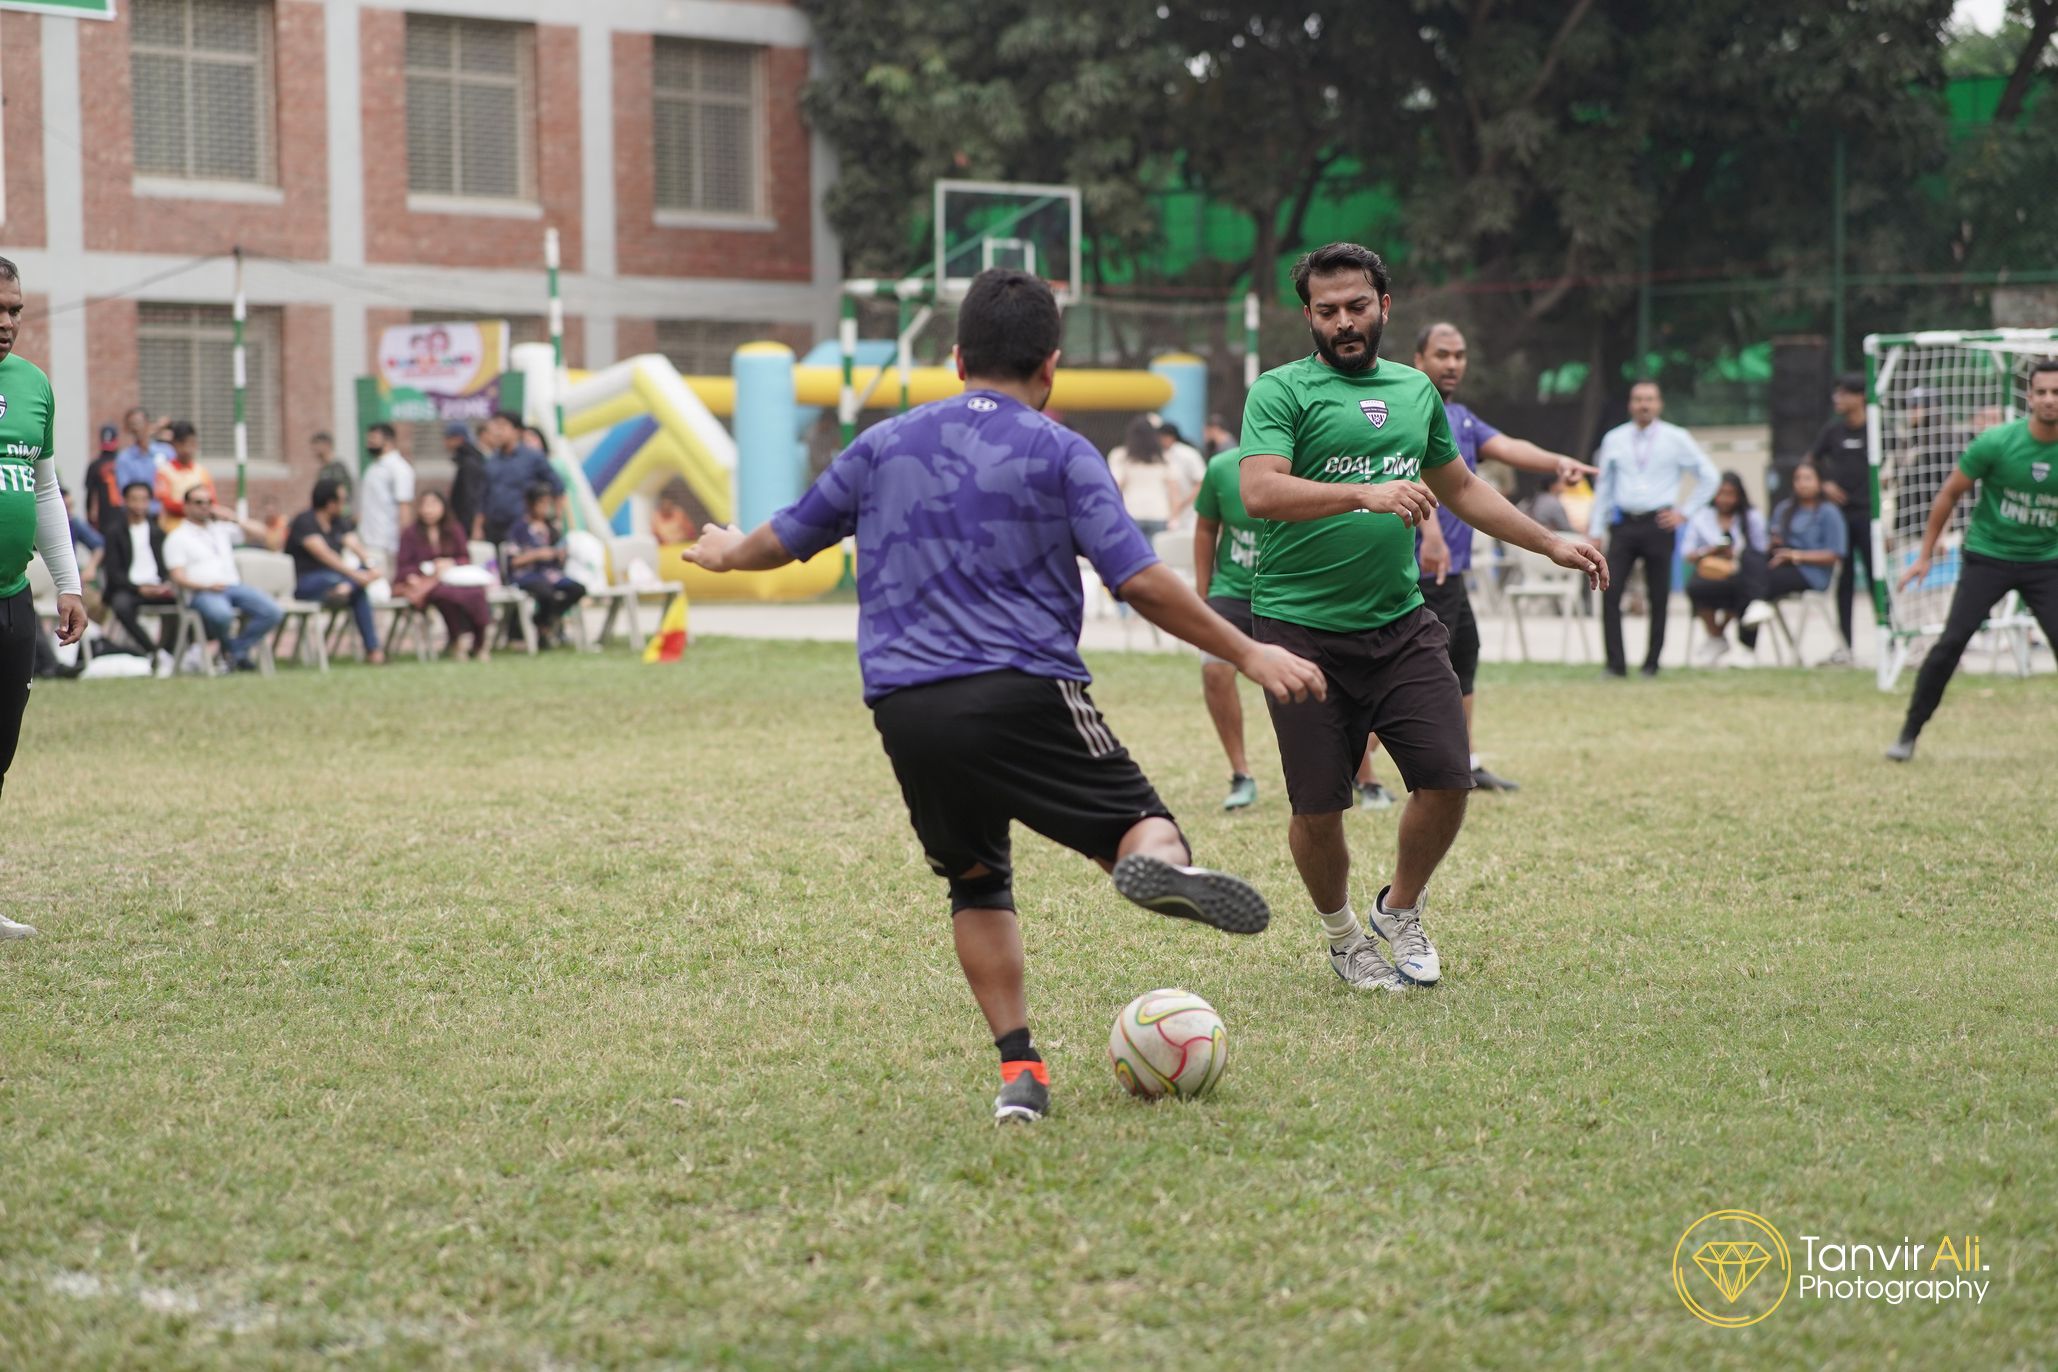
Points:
[(21, 69), (309, 400), (118, 220), (643, 248), (111, 385), (32, 339), (393, 233), (634, 337)]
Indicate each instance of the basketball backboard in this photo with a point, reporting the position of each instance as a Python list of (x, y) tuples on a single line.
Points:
[(981, 224)]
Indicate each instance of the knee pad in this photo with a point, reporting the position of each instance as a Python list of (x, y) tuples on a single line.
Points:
[(987, 891)]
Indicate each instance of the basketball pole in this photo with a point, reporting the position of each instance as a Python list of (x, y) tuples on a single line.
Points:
[(241, 378)]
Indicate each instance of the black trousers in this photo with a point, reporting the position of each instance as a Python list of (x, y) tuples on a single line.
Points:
[(1982, 581), (18, 633), (124, 604), (1637, 537), (1857, 523)]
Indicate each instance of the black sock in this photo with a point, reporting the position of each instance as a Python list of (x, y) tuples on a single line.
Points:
[(1015, 1046)]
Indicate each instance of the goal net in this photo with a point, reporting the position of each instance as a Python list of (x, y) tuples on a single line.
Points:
[(1931, 393)]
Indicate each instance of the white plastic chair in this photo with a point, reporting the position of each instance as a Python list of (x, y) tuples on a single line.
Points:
[(622, 594), (272, 573), (502, 598)]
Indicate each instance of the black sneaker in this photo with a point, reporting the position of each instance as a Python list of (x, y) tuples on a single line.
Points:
[(1230, 904), (1649, 669), (1487, 781), (1022, 1100)]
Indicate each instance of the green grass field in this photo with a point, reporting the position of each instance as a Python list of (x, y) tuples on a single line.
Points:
[(575, 1013)]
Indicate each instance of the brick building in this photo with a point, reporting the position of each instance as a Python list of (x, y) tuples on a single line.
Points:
[(382, 162)]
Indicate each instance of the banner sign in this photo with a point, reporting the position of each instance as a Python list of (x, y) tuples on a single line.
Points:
[(442, 371)]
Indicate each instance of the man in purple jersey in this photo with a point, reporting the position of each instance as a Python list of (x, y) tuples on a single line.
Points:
[(970, 515), (1445, 543)]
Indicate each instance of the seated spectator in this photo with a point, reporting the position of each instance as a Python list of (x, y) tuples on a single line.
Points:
[(1547, 506), (323, 543), (1809, 537), (201, 554), (180, 475), (1726, 546), (430, 546), (537, 558), (135, 571)]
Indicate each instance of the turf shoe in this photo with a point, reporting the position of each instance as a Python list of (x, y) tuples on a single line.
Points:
[(1243, 792), (1362, 968), (1414, 956), (1373, 796), (1487, 781), (1024, 1093), (1229, 903), (10, 929), (1903, 749)]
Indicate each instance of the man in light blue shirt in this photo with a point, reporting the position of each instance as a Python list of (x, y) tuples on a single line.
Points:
[(1636, 498)]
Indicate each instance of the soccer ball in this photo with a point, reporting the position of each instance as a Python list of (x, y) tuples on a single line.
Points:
[(1168, 1043)]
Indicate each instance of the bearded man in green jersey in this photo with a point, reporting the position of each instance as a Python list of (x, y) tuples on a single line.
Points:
[(32, 519), (2011, 542), (1345, 456)]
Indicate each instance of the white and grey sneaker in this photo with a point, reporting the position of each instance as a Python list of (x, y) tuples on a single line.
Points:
[(1362, 968), (1414, 956), (10, 929)]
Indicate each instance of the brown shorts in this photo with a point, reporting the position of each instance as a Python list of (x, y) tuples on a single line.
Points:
[(1395, 681)]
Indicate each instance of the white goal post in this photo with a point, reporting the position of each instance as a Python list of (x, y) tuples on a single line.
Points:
[(1929, 394)]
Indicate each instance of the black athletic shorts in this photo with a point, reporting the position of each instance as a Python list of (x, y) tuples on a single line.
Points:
[(1237, 612), (1453, 605), (1395, 681), (977, 752), (19, 632)]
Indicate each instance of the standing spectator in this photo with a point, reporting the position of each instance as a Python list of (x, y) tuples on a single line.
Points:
[(1839, 455), (1726, 546), (318, 538), (181, 476), (334, 468), (386, 505), (533, 437), (103, 493), (1189, 469), (1809, 535), (134, 564), (511, 470), (468, 480), (1150, 490), (144, 454), (1215, 437), (1637, 496), (537, 549), (201, 554), (430, 545)]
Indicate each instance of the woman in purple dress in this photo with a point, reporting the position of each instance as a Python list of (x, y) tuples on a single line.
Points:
[(429, 548)]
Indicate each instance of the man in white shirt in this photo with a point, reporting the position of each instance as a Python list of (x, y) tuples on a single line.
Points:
[(201, 555), (1637, 503), (386, 505)]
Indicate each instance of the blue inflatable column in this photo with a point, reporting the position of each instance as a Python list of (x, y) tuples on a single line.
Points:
[(771, 466), (1188, 407)]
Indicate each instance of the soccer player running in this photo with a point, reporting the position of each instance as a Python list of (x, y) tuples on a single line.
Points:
[(32, 519), (2011, 541), (1225, 558), (1345, 456), (1444, 549), (970, 514)]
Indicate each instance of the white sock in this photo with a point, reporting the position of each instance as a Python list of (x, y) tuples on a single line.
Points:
[(1475, 762), (1342, 926)]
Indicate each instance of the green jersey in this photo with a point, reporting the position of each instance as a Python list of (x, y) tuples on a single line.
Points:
[(1349, 572), (27, 420), (1236, 550), (2016, 516)]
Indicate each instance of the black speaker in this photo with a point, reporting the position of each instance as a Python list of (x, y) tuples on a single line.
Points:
[(1801, 380)]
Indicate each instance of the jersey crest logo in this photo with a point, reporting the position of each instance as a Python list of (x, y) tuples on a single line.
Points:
[(2038, 471), (3, 407), (1375, 410)]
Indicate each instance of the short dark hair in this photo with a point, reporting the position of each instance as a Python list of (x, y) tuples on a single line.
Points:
[(327, 491), (323, 436), (9, 272), (2042, 365), (1422, 338), (509, 415), (537, 490), (1331, 258), (1851, 383), (182, 429), (382, 427), (1007, 325), (1650, 381), (142, 486)]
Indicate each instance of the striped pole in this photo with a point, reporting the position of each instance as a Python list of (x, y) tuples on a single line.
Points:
[(846, 341), (1250, 339), (557, 324), (903, 354), (242, 382)]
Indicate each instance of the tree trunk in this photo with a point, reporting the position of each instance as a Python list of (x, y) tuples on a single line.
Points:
[(2043, 18)]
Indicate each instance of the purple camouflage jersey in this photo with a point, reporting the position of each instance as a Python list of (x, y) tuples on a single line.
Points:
[(971, 514), (1469, 431)]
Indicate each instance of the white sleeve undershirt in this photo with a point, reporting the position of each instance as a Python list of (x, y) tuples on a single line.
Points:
[(53, 529)]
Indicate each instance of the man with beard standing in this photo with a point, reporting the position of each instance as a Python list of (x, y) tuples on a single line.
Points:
[(1347, 456), (1444, 550)]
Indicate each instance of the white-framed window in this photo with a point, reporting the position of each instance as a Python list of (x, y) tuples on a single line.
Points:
[(703, 347), (708, 127), (185, 370), (201, 89), (471, 108)]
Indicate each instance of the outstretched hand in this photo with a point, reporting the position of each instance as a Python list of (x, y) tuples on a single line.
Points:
[(714, 547), (1284, 676), (1914, 574), (1580, 555)]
